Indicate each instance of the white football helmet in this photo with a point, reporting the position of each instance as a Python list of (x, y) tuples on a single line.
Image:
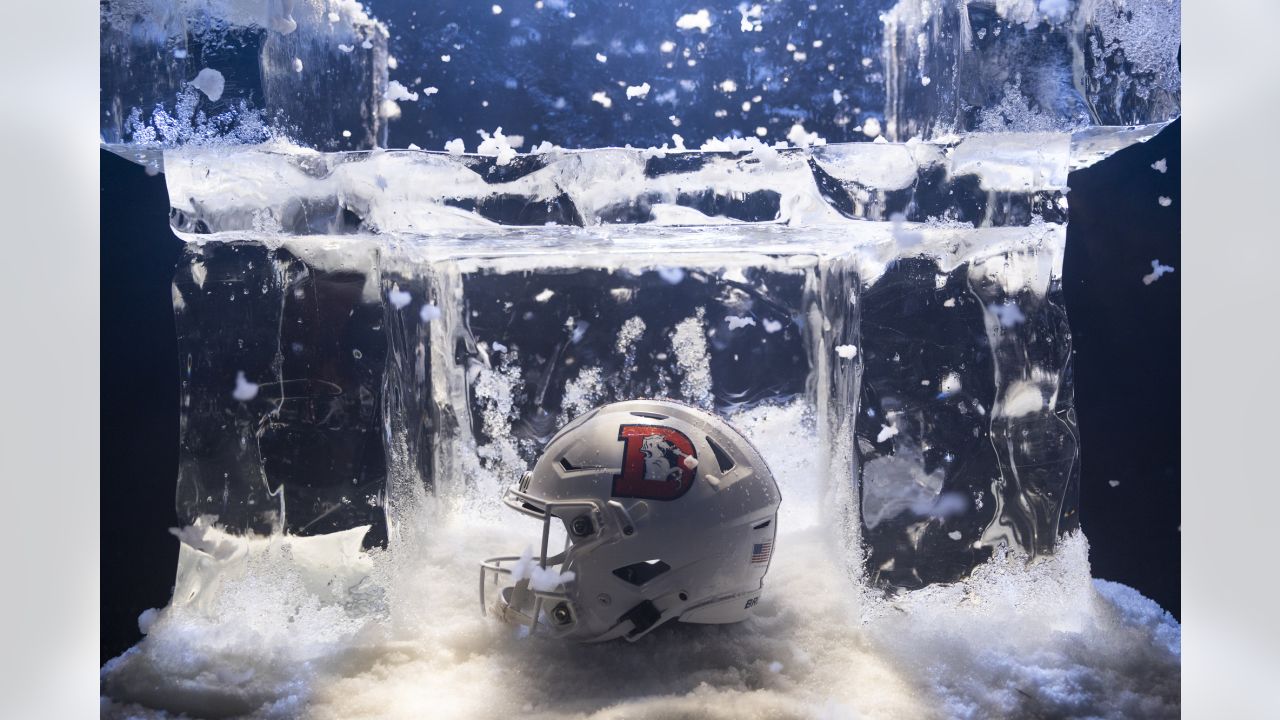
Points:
[(668, 513)]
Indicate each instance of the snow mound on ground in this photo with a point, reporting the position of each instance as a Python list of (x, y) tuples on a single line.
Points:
[(409, 640), (286, 627)]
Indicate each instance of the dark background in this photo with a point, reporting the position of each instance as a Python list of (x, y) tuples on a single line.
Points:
[(1127, 374)]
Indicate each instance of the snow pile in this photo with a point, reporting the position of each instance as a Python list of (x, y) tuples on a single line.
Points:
[(289, 627)]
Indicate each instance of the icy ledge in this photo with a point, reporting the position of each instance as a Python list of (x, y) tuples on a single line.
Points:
[(980, 179)]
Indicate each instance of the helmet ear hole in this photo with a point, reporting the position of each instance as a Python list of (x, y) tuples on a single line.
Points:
[(641, 572), (722, 457)]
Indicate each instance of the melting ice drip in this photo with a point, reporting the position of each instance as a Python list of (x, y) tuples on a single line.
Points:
[(884, 320)]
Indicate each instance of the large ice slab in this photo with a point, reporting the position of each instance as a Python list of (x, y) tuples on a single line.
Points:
[(955, 66), (184, 72), (930, 358)]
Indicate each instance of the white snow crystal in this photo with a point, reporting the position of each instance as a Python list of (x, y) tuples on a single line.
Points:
[(455, 146), (523, 567), (712, 480), (736, 321), (147, 619), (245, 390), (1157, 270), (602, 97), (871, 127), (430, 90), (1113, 483), (547, 579), (346, 48), (848, 352), (1160, 166), (728, 86), (545, 295), (700, 20), (496, 9), (601, 57), (1008, 313), (496, 146), (637, 91), (398, 297), (297, 65), (771, 326), (886, 432), (667, 46), (751, 17), (672, 275), (429, 312), (837, 97), (497, 346), (690, 461), (397, 91), (800, 138), (954, 535), (210, 82), (1164, 201)]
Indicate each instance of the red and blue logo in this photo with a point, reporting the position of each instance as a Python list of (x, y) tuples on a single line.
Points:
[(655, 463)]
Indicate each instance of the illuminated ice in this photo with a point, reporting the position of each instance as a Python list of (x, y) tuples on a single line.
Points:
[(374, 343)]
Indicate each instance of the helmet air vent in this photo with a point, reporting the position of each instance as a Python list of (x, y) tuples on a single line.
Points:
[(651, 416), (641, 572), (722, 458)]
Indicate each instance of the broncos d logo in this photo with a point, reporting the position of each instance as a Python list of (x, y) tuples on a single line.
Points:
[(653, 463), (661, 461)]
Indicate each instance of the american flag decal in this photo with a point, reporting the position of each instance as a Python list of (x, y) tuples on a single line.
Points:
[(760, 552)]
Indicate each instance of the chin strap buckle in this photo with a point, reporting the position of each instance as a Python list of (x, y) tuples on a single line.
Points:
[(643, 617)]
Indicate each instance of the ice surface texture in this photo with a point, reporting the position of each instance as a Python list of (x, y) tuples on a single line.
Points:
[(319, 71), (993, 65), (178, 72), (416, 304)]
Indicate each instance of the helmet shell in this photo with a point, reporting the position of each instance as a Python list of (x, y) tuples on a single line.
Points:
[(670, 514)]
